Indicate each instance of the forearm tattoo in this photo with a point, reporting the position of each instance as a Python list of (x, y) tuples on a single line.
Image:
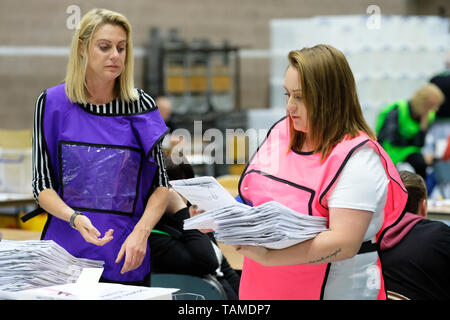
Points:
[(334, 254)]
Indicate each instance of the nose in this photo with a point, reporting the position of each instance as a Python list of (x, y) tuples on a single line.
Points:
[(290, 107), (115, 53)]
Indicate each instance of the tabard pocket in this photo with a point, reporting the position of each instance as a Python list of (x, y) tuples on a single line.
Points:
[(100, 178), (259, 187)]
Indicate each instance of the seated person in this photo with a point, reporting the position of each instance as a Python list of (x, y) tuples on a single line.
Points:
[(401, 127), (415, 253), (192, 252)]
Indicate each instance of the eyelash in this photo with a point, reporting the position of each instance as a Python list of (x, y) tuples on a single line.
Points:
[(296, 97), (106, 48)]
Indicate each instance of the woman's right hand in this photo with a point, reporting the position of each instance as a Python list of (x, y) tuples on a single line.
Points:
[(193, 212), (90, 233)]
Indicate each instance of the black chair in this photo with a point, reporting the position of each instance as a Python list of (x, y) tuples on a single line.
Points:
[(191, 287), (391, 295), (442, 174)]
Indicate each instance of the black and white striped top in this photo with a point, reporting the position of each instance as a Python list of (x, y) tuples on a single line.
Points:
[(43, 178)]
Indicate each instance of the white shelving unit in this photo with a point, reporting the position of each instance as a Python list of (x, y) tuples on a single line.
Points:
[(389, 62)]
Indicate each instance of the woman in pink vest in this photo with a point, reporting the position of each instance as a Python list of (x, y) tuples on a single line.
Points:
[(322, 159)]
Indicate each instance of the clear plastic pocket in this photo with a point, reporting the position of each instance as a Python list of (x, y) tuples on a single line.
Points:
[(99, 177)]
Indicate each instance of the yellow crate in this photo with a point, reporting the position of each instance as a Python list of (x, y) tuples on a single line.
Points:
[(8, 221), (35, 224)]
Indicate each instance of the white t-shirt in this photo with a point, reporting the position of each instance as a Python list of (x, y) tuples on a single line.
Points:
[(362, 185)]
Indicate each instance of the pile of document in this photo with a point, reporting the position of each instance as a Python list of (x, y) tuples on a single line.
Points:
[(271, 224), (99, 291), (38, 263)]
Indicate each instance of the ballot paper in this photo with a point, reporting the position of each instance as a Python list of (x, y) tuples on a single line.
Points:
[(271, 224), (99, 291), (38, 263), (205, 192)]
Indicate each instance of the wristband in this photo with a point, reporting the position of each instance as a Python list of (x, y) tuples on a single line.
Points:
[(73, 216)]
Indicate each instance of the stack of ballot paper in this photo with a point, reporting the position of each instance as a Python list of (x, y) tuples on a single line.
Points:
[(38, 263), (98, 291), (271, 224)]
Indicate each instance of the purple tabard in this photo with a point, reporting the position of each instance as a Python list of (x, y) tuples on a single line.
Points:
[(101, 165)]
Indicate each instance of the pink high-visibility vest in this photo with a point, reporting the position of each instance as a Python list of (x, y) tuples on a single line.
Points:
[(301, 181)]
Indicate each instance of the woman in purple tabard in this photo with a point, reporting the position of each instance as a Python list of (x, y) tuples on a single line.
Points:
[(98, 168)]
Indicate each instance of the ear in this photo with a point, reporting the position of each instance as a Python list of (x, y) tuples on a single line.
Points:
[(423, 208), (80, 47)]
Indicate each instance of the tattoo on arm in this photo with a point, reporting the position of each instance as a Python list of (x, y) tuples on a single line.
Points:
[(334, 254)]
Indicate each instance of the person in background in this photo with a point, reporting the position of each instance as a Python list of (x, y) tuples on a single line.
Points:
[(402, 126), (415, 253), (322, 160), (175, 250), (442, 80), (165, 109), (98, 166), (435, 149)]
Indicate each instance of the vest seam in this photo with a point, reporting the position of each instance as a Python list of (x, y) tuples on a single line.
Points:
[(250, 160), (338, 172), (324, 282), (161, 137), (117, 114), (292, 184), (50, 165)]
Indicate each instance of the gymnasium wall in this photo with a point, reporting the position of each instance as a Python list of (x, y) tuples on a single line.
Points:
[(34, 38)]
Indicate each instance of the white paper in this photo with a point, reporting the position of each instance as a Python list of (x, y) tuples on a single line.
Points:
[(271, 225), (41, 263), (101, 291), (89, 277), (205, 192)]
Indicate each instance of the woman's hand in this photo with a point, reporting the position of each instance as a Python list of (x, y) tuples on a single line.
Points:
[(90, 233), (193, 212), (134, 249), (256, 253)]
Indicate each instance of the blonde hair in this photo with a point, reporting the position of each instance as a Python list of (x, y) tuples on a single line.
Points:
[(330, 97), (420, 98), (75, 79)]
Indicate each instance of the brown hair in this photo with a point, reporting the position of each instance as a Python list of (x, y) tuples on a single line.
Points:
[(329, 92), (417, 190)]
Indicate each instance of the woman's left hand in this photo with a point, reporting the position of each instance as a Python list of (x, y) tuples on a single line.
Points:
[(134, 249), (256, 253)]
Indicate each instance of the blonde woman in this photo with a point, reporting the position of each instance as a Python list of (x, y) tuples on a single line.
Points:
[(98, 168), (324, 161)]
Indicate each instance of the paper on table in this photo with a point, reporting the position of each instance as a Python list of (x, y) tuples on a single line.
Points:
[(101, 291), (89, 277), (38, 263)]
